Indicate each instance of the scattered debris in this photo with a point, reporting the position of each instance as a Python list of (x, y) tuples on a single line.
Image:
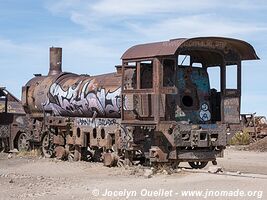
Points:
[(33, 153), (260, 145), (148, 173), (215, 169), (166, 172), (14, 151), (40, 177)]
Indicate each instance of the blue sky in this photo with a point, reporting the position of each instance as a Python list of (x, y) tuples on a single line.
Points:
[(94, 34)]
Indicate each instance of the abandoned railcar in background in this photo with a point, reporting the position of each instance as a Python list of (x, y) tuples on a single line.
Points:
[(158, 108), (254, 125), (14, 132)]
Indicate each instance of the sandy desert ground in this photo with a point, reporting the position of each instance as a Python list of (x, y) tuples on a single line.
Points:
[(24, 177)]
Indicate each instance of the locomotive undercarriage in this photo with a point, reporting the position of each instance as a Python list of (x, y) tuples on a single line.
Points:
[(106, 140), (172, 143), (81, 138)]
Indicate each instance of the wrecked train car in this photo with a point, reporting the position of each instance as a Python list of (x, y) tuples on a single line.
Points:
[(158, 107), (13, 123), (255, 126)]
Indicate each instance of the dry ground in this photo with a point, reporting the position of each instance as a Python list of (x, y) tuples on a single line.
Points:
[(38, 178)]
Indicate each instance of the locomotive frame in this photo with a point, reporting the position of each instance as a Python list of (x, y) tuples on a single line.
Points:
[(153, 110)]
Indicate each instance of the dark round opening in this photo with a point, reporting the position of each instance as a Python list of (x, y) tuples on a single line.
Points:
[(187, 101)]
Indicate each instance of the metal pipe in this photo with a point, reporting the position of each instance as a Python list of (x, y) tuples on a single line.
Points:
[(55, 61)]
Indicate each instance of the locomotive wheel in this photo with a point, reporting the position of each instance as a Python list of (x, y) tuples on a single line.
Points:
[(74, 152), (87, 155), (77, 153), (97, 156), (47, 146), (23, 142), (197, 164), (70, 152), (120, 163)]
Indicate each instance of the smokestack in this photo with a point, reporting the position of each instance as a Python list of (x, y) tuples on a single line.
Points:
[(55, 61)]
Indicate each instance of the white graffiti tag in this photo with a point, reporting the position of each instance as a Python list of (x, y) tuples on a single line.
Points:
[(83, 99), (204, 112)]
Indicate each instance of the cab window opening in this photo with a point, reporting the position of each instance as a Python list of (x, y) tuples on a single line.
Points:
[(231, 77), (215, 78), (146, 74), (184, 60)]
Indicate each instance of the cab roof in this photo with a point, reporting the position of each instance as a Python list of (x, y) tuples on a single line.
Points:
[(171, 47)]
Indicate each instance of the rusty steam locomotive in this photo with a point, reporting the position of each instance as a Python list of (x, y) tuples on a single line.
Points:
[(158, 108)]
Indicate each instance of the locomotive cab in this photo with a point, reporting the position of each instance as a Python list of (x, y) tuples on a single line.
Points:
[(168, 102)]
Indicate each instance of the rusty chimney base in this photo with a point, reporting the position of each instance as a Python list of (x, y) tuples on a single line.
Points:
[(55, 61)]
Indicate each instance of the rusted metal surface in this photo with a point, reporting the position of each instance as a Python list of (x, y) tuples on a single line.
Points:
[(153, 49), (154, 109), (12, 107), (55, 61), (170, 47), (110, 159), (72, 95), (203, 117), (13, 123)]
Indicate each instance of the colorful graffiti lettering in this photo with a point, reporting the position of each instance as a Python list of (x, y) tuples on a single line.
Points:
[(84, 99)]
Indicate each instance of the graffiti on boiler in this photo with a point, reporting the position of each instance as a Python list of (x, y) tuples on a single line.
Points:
[(84, 99)]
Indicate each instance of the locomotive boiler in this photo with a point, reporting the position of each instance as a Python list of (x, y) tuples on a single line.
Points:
[(158, 108), (72, 95)]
